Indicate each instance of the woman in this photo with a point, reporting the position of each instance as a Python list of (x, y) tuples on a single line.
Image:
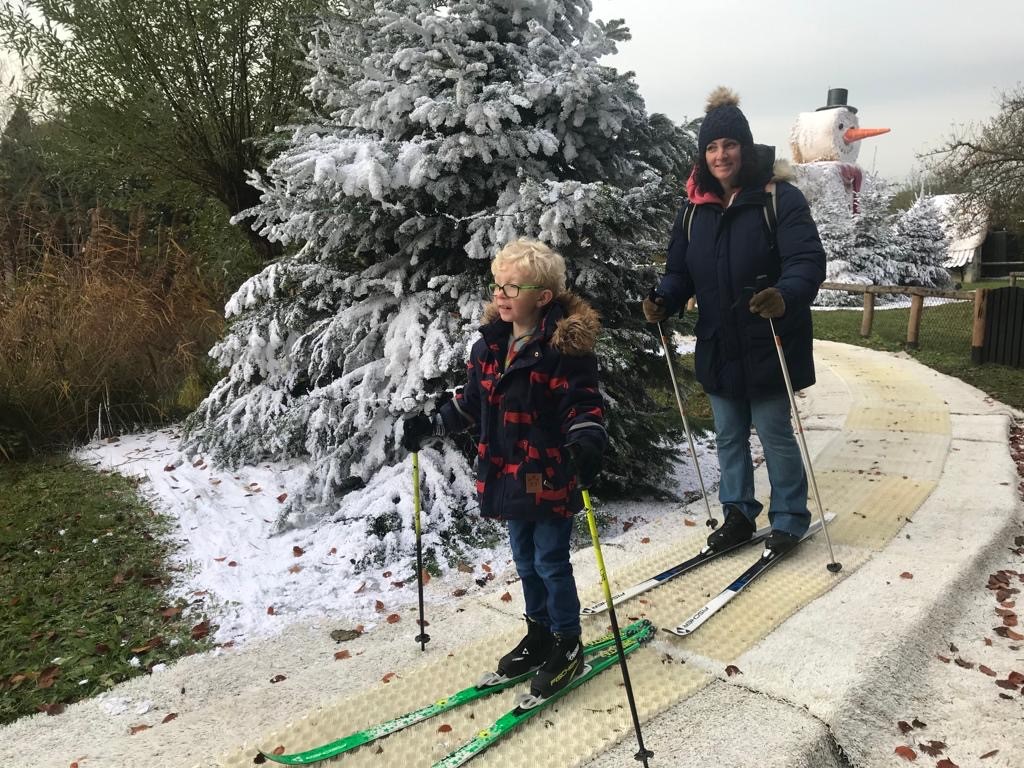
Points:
[(743, 270)]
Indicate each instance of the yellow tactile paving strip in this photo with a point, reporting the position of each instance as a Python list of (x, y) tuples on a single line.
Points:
[(873, 473)]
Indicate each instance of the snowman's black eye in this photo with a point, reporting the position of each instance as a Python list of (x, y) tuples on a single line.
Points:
[(841, 126)]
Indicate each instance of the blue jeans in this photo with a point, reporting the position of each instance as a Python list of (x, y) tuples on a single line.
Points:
[(540, 549), (787, 511)]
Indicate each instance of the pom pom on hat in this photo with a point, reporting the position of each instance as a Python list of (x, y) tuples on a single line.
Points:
[(724, 120), (722, 97)]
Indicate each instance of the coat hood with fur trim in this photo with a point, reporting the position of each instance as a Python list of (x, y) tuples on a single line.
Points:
[(570, 324)]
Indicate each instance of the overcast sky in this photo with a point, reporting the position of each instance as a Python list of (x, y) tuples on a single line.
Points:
[(918, 67)]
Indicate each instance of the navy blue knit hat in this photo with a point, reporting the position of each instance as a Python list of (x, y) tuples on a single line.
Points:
[(723, 120)]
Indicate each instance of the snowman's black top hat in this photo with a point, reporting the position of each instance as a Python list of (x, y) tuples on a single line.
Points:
[(837, 100)]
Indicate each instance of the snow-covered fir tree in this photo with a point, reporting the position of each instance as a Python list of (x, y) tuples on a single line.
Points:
[(921, 242), (442, 130), (875, 252), (832, 210)]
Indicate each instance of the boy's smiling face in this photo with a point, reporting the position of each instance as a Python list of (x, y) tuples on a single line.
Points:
[(525, 309)]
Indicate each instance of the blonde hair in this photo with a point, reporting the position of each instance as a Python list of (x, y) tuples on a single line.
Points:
[(538, 263)]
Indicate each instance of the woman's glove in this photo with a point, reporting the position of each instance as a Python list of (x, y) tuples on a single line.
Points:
[(585, 455), (768, 303), (654, 307)]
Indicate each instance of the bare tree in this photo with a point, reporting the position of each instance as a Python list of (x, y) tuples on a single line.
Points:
[(986, 163), (171, 89)]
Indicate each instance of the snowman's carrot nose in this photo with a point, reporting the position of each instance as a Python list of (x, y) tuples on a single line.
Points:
[(856, 134)]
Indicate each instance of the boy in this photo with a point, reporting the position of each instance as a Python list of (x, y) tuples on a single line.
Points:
[(532, 393)]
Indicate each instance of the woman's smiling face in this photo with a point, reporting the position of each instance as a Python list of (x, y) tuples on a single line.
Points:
[(723, 157)]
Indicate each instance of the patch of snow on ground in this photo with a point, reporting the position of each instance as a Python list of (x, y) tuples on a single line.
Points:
[(252, 581)]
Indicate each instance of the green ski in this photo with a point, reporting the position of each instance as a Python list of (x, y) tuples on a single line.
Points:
[(359, 738), (516, 717)]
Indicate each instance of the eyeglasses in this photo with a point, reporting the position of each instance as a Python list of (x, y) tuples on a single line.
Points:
[(511, 290)]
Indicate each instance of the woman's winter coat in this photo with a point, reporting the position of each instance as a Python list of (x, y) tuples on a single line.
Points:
[(525, 415), (726, 257)]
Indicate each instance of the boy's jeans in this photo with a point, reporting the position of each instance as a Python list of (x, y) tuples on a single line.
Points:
[(540, 549), (733, 417)]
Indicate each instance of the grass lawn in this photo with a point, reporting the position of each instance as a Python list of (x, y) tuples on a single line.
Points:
[(944, 344), (83, 576)]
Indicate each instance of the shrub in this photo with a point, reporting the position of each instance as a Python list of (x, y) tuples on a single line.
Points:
[(100, 338)]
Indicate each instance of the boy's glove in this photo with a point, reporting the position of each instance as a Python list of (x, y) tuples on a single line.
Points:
[(585, 455), (418, 428), (654, 307), (768, 303)]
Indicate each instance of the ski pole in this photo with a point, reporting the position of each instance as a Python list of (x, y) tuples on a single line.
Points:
[(711, 523), (643, 752), (834, 565), (422, 638)]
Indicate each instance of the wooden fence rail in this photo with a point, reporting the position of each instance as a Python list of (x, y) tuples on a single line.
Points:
[(917, 296)]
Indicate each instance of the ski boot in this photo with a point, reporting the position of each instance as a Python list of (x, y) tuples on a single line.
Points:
[(530, 653), (735, 530), (779, 543), (563, 665)]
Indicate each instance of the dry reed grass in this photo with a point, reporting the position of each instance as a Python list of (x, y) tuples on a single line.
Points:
[(99, 336)]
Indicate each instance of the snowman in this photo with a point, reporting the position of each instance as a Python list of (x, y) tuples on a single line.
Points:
[(825, 144)]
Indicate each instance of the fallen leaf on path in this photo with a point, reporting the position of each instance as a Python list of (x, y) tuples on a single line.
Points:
[(918, 724), (1008, 633), (506, 598), (342, 655), (987, 755), (904, 726), (296, 568), (458, 593), (688, 522), (445, 728), (986, 671), (946, 763), (906, 575), (393, 618), (278, 678), (932, 748), (138, 729), (298, 551), (170, 716), (965, 664), (906, 753), (732, 669), (387, 678)]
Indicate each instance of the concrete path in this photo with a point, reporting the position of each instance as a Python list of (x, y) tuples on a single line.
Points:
[(906, 646)]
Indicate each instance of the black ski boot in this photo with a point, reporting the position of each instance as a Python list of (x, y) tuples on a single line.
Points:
[(779, 543), (735, 530), (562, 666), (531, 652)]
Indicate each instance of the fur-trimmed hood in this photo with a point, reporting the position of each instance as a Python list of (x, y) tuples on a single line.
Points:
[(570, 324), (783, 171)]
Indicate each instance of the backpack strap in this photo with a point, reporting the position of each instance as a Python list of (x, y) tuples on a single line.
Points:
[(770, 215), (688, 219)]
